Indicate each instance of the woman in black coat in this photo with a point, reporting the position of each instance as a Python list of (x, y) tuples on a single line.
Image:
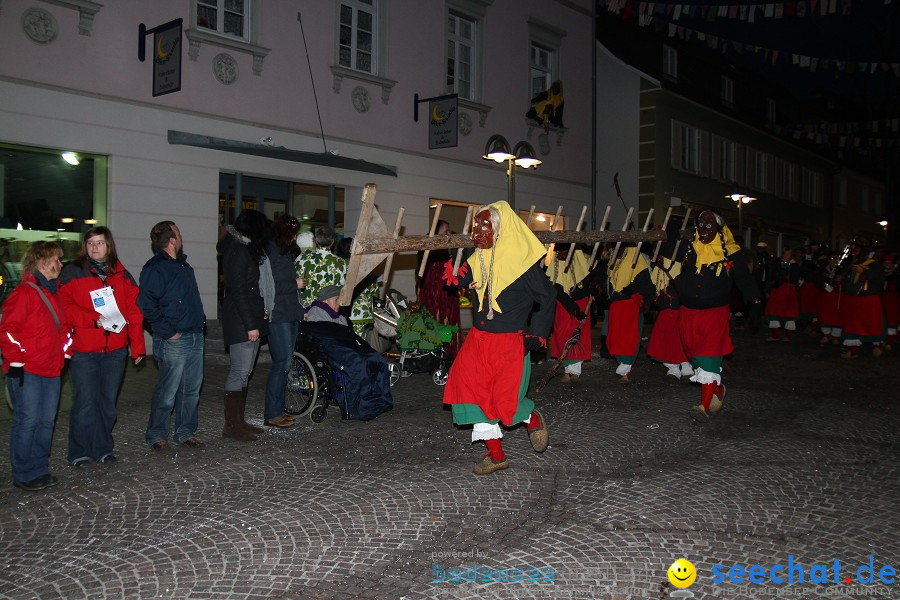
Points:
[(244, 318)]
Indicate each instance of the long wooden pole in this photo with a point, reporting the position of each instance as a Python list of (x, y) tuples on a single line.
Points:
[(465, 231), (637, 251), (659, 244), (603, 225), (437, 216), (572, 245)]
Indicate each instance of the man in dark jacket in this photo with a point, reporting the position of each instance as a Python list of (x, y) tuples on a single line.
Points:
[(170, 301)]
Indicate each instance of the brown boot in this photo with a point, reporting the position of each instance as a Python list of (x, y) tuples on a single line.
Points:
[(234, 417), (244, 424)]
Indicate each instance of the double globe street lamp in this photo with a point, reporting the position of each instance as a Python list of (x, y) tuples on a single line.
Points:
[(741, 200), (522, 155)]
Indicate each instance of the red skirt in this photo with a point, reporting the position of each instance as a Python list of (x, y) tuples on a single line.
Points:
[(830, 309), (665, 341), (862, 316), (891, 302), (705, 331), (564, 326), (810, 299), (488, 372), (783, 302), (623, 335)]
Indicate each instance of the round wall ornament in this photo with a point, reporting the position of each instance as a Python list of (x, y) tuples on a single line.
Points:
[(39, 25), (225, 68)]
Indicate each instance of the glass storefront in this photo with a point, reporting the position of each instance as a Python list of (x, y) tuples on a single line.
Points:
[(46, 194)]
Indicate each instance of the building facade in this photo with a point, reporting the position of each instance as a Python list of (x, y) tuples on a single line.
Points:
[(284, 107)]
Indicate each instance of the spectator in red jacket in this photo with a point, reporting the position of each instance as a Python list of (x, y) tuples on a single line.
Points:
[(34, 340), (100, 344)]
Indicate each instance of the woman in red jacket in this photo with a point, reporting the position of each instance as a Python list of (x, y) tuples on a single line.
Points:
[(88, 287), (34, 340)]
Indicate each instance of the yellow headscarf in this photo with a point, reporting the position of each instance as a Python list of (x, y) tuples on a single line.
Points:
[(578, 270), (711, 253), (621, 273), (662, 276), (516, 249)]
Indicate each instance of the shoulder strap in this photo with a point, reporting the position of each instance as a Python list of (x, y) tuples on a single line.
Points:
[(47, 302)]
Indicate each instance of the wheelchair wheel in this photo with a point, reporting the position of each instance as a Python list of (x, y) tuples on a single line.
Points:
[(302, 386), (318, 414), (440, 375), (394, 372)]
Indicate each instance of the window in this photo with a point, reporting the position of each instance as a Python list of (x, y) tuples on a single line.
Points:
[(670, 62), (685, 147), (228, 17), (812, 188), (724, 159), (541, 72), (461, 55), (842, 193), (357, 35), (770, 110), (757, 169), (785, 179), (727, 91)]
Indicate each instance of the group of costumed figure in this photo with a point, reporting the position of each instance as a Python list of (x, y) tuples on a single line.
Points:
[(518, 300), (520, 296), (850, 298)]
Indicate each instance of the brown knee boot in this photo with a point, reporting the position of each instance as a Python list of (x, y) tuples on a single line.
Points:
[(244, 424), (233, 419)]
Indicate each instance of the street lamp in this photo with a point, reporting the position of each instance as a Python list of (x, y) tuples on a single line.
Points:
[(522, 155), (741, 200)]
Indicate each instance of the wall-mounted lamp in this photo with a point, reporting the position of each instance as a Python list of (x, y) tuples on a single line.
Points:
[(522, 155), (71, 158)]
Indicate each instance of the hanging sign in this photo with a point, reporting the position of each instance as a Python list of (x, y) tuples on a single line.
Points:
[(167, 60), (443, 123)]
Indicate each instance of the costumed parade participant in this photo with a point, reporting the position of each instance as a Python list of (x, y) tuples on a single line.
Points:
[(490, 376), (830, 301), (628, 286), (861, 313), (665, 341), (809, 292), (783, 307), (709, 267), (432, 292), (572, 297)]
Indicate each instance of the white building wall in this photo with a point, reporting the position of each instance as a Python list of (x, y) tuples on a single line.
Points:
[(618, 135), (90, 94)]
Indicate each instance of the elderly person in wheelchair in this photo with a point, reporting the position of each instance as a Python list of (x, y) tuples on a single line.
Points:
[(357, 379)]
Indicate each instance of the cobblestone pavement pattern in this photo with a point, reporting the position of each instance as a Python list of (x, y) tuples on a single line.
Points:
[(802, 461)]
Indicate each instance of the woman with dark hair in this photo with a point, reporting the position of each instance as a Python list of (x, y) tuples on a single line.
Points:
[(34, 339), (284, 318), (244, 318), (100, 345)]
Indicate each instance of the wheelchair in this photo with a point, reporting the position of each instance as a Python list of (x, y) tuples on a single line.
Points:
[(312, 381)]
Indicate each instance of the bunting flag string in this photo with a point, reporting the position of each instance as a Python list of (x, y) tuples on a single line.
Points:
[(647, 13)]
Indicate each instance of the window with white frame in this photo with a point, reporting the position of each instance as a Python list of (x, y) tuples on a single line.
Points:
[(670, 61), (757, 169), (541, 69), (357, 35), (725, 160), (771, 110), (227, 17), (812, 188), (685, 147), (727, 91), (461, 55)]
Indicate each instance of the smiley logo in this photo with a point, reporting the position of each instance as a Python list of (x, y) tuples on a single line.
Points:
[(682, 573)]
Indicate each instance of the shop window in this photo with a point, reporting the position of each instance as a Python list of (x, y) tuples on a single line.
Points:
[(45, 196)]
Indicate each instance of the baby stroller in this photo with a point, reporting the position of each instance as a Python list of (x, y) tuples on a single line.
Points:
[(331, 366), (420, 339)]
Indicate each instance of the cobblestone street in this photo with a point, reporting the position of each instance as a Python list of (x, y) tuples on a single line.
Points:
[(802, 462)]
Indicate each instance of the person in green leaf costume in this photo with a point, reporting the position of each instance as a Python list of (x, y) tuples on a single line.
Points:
[(319, 266)]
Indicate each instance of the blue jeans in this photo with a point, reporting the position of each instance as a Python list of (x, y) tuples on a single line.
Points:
[(282, 337), (34, 413), (178, 387), (96, 377)]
